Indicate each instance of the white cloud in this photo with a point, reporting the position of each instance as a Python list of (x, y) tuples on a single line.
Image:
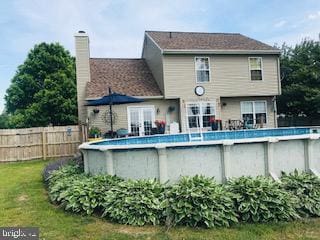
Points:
[(314, 16), (115, 28), (297, 29), (294, 37), (279, 24)]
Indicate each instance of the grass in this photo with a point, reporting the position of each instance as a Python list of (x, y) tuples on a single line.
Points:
[(24, 202)]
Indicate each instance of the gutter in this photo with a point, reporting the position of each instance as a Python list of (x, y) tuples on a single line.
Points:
[(141, 97), (223, 51)]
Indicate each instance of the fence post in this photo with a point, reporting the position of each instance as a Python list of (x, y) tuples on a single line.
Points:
[(83, 133), (17, 145), (44, 146)]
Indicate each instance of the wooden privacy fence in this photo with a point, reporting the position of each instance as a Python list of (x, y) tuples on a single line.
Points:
[(41, 142)]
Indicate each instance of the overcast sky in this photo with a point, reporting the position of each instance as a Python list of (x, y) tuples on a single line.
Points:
[(116, 28)]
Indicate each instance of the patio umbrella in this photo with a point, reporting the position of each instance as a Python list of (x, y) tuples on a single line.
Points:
[(113, 99)]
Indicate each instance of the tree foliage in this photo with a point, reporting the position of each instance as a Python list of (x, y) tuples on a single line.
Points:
[(300, 73), (4, 120), (43, 90)]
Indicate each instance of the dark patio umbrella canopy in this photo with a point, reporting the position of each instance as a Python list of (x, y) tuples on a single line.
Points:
[(113, 99)]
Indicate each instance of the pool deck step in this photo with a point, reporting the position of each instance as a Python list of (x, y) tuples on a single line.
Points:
[(198, 137)]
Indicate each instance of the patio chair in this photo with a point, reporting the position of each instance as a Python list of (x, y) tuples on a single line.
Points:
[(122, 132), (248, 124)]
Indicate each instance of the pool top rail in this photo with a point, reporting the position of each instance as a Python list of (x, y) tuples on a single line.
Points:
[(214, 137)]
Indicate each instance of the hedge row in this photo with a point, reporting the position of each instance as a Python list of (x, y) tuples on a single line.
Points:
[(193, 201)]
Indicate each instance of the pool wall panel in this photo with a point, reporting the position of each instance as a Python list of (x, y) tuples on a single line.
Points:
[(204, 160), (97, 163), (136, 164), (288, 156), (247, 159), (221, 161)]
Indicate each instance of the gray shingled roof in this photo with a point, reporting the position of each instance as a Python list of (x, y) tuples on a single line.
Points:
[(206, 41), (127, 76)]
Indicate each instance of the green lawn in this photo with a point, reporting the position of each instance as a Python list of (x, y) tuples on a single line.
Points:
[(23, 202)]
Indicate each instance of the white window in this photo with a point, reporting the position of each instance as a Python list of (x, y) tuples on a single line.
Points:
[(254, 112), (202, 65), (199, 114), (255, 66)]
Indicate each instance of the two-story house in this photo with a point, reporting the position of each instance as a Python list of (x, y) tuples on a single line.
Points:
[(183, 77)]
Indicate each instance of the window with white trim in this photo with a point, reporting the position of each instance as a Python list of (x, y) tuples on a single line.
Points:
[(202, 65), (255, 66), (254, 112), (199, 114)]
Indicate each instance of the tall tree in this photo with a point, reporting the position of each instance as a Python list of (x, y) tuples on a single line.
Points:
[(43, 90), (3, 121), (300, 73)]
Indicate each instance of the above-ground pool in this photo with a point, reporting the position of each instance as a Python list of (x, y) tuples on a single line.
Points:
[(207, 136), (220, 154)]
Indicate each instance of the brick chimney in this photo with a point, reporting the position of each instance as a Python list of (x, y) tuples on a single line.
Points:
[(82, 72)]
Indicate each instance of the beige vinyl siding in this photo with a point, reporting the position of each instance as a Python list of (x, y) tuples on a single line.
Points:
[(229, 76), (152, 55), (98, 120), (230, 109), (82, 73)]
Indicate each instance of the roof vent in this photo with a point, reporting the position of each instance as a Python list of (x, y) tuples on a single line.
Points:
[(81, 31)]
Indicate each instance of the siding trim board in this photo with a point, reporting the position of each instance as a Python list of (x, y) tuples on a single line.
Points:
[(279, 77), (153, 56), (154, 42)]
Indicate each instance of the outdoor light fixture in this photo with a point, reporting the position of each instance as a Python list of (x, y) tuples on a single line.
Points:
[(171, 109)]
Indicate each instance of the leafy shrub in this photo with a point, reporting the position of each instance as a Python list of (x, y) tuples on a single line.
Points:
[(200, 201), (261, 199), (86, 194), (53, 166), (137, 202), (58, 188), (60, 180), (66, 171), (79, 192), (193, 201), (306, 187)]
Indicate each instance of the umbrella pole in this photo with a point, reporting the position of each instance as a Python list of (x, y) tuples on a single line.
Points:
[(110, 110), (111, 121)]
